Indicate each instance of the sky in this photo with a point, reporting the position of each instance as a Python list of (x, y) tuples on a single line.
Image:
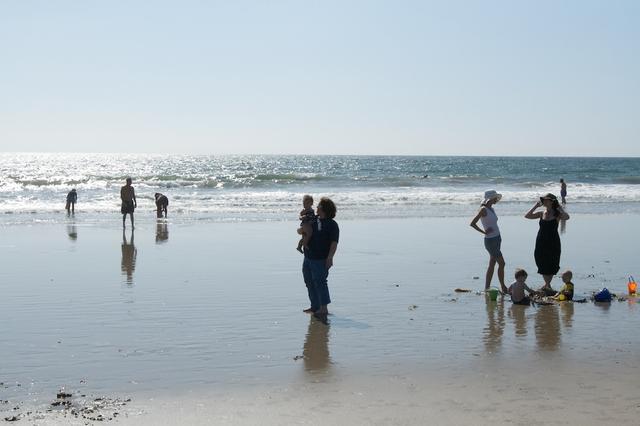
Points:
[(321, 77)]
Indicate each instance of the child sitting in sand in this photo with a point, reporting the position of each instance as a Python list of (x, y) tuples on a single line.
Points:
[(566, 292), (307, 216), (516, 290)]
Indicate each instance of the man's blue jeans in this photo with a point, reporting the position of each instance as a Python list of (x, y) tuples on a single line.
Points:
[(315, 275)]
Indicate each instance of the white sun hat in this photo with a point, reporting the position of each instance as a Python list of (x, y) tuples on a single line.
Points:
[(490, 195)]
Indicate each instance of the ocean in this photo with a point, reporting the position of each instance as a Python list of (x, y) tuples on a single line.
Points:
[(33, 186)]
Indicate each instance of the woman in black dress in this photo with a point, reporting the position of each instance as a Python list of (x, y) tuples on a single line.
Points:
[(547, 252)]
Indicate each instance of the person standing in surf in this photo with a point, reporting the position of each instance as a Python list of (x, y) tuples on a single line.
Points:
[(492, 238), (72, 198), (563, 191), (318, 258), (129, 203)]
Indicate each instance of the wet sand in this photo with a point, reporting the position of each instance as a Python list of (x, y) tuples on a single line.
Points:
[(202, 324)]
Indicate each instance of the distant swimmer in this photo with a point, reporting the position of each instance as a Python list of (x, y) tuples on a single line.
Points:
[(72, 197), (162, 202), (563, 191), (129, 203)]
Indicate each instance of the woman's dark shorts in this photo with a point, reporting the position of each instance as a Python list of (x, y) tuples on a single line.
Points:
[(493, 246)]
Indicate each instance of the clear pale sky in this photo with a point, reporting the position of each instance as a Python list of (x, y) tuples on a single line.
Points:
[(321, 77)]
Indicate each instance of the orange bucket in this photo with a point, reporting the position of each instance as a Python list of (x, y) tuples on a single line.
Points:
[(632, 286)]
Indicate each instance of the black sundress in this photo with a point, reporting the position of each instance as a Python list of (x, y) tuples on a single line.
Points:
[(547, 252)]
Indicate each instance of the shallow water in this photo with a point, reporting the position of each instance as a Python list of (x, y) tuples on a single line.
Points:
[(171, 308), (201, 188)]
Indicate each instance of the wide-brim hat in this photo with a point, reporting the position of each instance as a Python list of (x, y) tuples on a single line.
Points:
[(491, 195)]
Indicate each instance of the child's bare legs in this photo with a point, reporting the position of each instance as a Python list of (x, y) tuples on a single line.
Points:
[(306, 231)]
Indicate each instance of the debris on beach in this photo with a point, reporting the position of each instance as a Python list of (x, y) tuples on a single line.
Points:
[(63, 395), (476, 278), (413, 307), (297, 357), (97, 409), (462, 290)]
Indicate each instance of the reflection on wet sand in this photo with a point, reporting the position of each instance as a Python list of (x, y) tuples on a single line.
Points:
[(162, 231), (519, 315), (129, 254), (547, 327), (316, 348), (566, 312), (492, 333), (72, 231)]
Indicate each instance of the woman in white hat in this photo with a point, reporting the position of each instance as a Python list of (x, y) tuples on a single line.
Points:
[(492, 238)]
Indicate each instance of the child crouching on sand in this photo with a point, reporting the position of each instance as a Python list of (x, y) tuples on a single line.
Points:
[(516, 290), (307, 216), (566, 292)]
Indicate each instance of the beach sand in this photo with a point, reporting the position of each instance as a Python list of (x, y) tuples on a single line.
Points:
[(203, 324)]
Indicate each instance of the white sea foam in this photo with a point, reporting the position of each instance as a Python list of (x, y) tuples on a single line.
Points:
[(252, 188)]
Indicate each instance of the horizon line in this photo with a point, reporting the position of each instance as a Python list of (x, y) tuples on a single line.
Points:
[(320, 155)]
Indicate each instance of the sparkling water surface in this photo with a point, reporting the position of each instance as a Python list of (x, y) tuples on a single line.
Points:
[(258, 188)]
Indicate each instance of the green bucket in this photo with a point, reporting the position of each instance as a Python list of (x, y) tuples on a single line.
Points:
[(493, 294)]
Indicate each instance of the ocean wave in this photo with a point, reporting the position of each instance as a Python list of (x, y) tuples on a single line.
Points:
[(236, 187), (630, 180)]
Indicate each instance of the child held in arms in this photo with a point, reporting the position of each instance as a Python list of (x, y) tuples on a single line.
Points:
[(307, 216)]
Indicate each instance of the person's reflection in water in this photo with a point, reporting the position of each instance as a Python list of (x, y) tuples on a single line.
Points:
[(519, 315), (72, 231), (495, 324), (162, 232), (316, 348), (566, 311), (547, 328), (129, 254)]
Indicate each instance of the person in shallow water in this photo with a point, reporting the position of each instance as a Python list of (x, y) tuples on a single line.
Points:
[(563, 191), (162, 202), (129, 203), (492, 238), (318, 258), (72, 198)]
